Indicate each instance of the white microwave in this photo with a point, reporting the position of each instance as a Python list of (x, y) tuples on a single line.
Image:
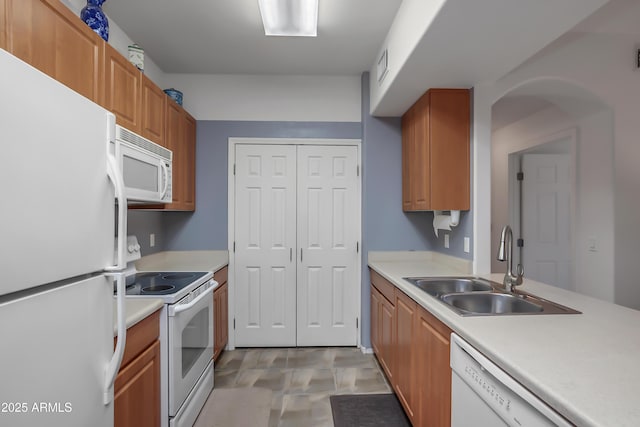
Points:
[(146, 168)]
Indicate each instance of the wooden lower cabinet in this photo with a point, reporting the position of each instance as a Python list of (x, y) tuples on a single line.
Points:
[(405, 350), (137, 386), (3, 24), (220, 313), (382, 331), (137, 401), (432, 370), (412, 347)]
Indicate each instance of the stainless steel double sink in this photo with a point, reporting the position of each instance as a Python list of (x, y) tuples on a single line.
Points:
[(472, 296)]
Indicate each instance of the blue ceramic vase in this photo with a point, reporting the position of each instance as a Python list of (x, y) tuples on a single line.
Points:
[(95, 18)]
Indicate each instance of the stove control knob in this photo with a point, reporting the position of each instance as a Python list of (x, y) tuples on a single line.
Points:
[(137, 247), (131, 248)]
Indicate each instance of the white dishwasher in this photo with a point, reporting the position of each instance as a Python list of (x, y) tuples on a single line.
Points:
[(482, 394)]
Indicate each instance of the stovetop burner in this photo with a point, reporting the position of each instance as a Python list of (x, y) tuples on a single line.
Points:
[(161, 283)]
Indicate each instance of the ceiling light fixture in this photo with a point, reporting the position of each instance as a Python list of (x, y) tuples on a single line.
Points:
[(289, 17)]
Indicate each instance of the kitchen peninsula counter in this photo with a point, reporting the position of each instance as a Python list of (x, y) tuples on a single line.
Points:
[(585, 365)]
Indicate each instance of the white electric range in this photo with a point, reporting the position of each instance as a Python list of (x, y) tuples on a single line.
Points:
[(186, 335)]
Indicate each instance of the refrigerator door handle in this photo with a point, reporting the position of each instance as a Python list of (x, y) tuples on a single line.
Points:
[(113, 171), (114, 364)]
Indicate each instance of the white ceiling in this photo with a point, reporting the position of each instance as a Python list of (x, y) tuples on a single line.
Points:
[(468, 42), (227, 36), (616, 17)]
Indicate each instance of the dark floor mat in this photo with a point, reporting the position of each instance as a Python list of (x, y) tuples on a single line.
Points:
[(368, 410)]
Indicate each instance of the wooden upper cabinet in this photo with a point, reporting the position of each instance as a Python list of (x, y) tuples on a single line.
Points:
[(181, 140), (122, 89), (153, 112), (189, 153), (47, 35), (436, 152)]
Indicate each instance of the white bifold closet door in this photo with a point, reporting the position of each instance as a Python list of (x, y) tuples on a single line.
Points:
[(327, 239), (296, 237), (265, 240)]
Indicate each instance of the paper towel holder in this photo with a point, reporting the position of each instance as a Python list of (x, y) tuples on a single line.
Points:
[(444, 221)]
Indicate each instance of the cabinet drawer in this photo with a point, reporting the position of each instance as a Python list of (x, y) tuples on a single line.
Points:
[(383, 286), (140, 336)]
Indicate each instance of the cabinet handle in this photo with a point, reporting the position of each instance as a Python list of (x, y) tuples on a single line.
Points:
[(290, 254), (300, 254)]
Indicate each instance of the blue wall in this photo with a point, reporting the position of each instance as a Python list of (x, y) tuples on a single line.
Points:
[(206, 228)]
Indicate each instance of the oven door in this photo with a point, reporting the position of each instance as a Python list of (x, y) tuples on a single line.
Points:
[(190, 344)]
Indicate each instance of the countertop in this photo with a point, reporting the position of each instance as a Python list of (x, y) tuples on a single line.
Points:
[(139, 308), (135, 310), (586, 366)]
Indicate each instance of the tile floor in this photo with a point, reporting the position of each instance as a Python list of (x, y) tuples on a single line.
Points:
[(301, 379)]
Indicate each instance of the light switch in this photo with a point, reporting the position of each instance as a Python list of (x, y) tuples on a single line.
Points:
[(466, 244), (592, 244), (446, 240), (152, 240)]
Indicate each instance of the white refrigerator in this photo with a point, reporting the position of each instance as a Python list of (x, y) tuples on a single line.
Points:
[(59, 253)]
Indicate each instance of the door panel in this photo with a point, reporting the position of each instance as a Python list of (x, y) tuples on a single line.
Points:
[(265, 238), (327, 238), (546, 226)]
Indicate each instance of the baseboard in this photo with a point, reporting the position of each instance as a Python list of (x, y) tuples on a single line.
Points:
[(366, 350)]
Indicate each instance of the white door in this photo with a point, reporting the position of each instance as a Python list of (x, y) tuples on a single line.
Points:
[(328, 208), (546, 226), (296, 237), (265, 239)]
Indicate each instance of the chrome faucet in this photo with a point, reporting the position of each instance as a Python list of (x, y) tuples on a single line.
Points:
[(505, 254)]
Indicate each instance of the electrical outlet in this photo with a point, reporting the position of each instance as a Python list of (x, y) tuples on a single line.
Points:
[(446, 240), (466, 244), (152, 240)]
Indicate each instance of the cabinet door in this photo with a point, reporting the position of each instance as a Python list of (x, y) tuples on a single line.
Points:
[(433, 373), (223, 318), (47, 35), (152, 118), (189, 163), (408, 141), (449, 113), (173, 131), (375, 321), (404, 352), (122, 89), (181, 139), (387, 338), (137, 391), (221, 313), (421, 180)]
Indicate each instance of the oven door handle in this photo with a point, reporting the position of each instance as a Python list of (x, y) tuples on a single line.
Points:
[(179, 308)]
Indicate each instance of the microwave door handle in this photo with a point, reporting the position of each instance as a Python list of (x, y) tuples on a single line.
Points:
[(114, 364), (113, 171), (165, 173)]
